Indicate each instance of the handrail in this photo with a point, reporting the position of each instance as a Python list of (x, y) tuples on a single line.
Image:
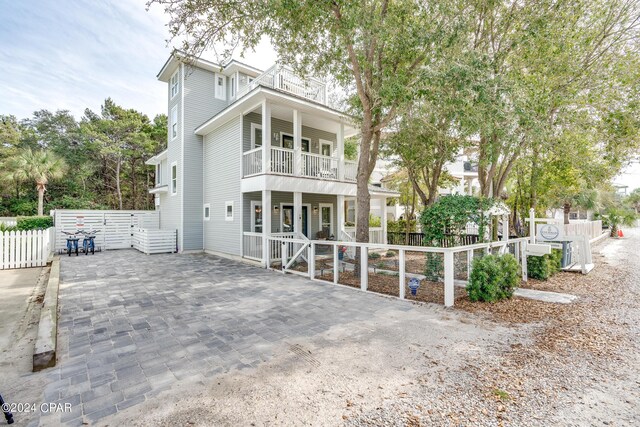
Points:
[(253, 150)]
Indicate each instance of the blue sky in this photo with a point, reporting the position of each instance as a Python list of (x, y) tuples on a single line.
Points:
[(72, 54)]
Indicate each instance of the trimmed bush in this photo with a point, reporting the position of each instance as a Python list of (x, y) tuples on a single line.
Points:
[(34, 222), (493, 277), (390, 254), (374, 255), (543, 267)]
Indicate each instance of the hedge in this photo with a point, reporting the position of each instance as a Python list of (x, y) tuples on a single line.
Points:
[(34, 222), (543, 267), (493, 277)]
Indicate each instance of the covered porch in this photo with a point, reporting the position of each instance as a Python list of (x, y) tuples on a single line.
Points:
[(298, 215)]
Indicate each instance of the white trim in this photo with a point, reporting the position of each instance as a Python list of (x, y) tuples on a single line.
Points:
[(205, 207), (220, 92), (309, 213), (181, 181), (173, 121), (174, 189), (172, 85), (301, 138), (332, 228), (226, 209), (255, 203), (322, 142), (233, 89), (255, 126)]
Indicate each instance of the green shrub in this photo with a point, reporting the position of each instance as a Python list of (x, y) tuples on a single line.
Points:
[(390, 254), (543, 267), (374, 255), (34, 222), (4, 227), (493, 277), (434, 267)]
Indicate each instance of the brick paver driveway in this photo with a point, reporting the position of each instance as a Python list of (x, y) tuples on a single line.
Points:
[(132, 325)]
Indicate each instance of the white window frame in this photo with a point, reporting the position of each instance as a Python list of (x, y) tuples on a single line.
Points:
[(221, 91), (325, 142), (283, 134), (232, 86), (226, 211), (206, 209), (158, 173), (255, 203), (174, 84), (174, 181), (255, 126), (174, 122), (331, 225)]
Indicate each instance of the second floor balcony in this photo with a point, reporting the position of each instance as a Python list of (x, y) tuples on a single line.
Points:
[(283, 78), (283, 161)]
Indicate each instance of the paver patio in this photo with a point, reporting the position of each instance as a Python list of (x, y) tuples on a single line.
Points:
[(133, 325)]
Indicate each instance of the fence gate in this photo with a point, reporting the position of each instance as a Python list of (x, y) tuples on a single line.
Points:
[(116, 227)]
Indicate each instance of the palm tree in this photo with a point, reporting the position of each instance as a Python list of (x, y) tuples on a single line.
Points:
[(39, 166)]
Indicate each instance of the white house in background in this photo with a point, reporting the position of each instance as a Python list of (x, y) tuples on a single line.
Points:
[(250, 153)]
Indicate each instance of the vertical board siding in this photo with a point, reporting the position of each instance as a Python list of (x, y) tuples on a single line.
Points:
[(200, 105), (221, 185), (24, 249)]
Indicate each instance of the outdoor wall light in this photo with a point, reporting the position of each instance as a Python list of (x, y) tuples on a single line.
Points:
[(276, 208), (315, 209)]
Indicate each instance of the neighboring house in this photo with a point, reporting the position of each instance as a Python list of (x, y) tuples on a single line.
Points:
[(252, 152)]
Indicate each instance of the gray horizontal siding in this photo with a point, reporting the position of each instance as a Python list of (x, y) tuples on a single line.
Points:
[(222, 184)]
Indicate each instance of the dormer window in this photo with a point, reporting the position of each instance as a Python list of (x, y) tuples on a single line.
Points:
[(174, 84), (221, 87)]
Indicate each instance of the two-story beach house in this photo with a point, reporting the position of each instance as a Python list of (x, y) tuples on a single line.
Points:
[(252, 152)]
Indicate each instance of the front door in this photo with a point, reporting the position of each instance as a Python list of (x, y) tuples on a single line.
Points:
[(288, 220)]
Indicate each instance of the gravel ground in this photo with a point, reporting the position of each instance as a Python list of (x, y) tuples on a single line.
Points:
[(516, 363)]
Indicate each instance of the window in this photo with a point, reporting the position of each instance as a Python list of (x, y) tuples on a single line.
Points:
[(174, 178), (256, 217), (228, 211), (286, 141), (174, 122), (233, 87), (326, 218), (174, 84), (158, 169), (326, 148), (207, 211), (221, 87), (256, 135)]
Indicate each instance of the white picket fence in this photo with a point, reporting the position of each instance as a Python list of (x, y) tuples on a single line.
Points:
[(22, 249), (154, 241), (589, 229)]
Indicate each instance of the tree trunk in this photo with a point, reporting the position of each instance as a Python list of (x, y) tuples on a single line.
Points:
[(118, 189), (567, 209), (40, 201)]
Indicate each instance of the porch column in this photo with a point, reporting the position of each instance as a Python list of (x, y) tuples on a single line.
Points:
[(340, 217), (266, 225), (297, 213), (297, 143), (383, 220), (340, 149), (266, 137)]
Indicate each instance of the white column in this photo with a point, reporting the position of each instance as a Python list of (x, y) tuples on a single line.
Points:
[(339, 217), (448, 279), (505, 227), (266, 225), (297, 213), (384, 219), (266, 136), (340, 150), (297, 142), (532, 226)]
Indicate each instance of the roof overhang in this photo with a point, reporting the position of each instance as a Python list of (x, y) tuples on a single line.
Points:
[(382, 192), (177, 57), (159, 189), (234, 66), (259, 94), (157, 158)]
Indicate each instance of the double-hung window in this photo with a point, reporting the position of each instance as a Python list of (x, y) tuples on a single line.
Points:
[(174, 178), (174, 122), (174, 84)]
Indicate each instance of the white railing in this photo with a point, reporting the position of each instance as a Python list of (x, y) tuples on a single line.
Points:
[(350, 170), (318, 166), (376, 234), (589, 229), (518, 247), (153, 241), (281, 161), (252, 162), (252, 245), (22, 249), (283, 78)]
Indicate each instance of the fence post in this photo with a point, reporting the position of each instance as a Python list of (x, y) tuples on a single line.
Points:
[(336, 265), (523, 264), (403, 280), (448, 279), (284, 252), (364, 268), (469, 263), (311, 262)]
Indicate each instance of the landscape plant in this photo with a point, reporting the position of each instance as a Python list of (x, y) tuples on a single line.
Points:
[(493, 277)]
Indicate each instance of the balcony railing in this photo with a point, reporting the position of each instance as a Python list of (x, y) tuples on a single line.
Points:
[(281, 161), (283, 78)]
